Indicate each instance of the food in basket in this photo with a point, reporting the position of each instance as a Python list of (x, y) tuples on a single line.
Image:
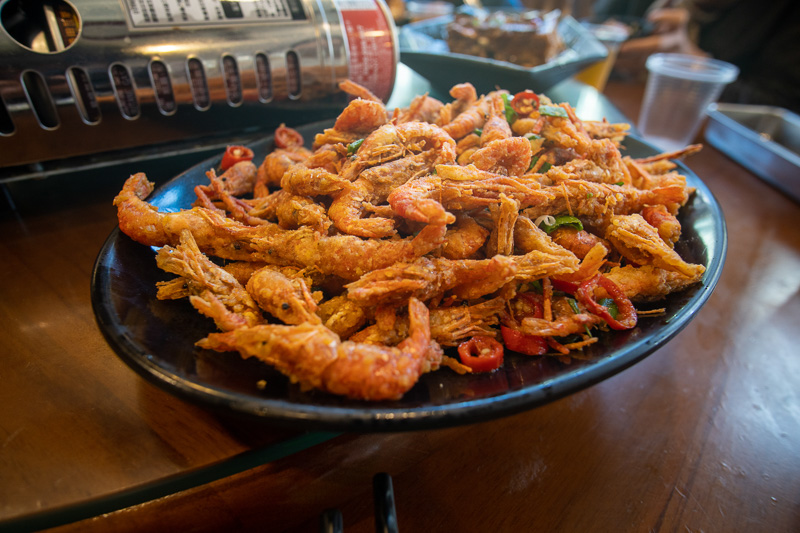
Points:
[(528, 39), (439, 235)]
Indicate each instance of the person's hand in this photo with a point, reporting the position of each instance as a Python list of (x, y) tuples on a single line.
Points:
[(670, 34)]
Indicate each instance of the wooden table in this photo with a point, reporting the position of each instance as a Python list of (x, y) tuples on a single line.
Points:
[(703, 435)]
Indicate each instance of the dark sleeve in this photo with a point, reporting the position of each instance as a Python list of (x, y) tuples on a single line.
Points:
[(761, 39), (604, 9)]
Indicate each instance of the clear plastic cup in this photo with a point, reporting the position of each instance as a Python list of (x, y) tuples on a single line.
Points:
[(679, 89)]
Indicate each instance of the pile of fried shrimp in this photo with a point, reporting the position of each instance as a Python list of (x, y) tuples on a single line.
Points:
[(490, 223)]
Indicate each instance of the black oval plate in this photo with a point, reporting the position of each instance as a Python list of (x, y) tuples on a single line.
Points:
[(156, 338)]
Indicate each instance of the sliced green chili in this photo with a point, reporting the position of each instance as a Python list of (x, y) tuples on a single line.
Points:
[(552, 111), (611, 305), (511, 115), (575, 309), (354, 146), (536, 285), (544, 168)]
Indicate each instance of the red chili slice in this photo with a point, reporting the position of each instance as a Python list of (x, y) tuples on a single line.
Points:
[(626, 316), (535, 301), (525, 102), (519, 342), (564, 286), (286, 137), (234, 154), (481, 353)]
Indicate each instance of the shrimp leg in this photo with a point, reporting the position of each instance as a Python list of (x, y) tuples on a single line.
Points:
[(449, 325)]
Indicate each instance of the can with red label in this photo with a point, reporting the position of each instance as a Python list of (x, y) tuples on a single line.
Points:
[(372, 44), (102, 76)]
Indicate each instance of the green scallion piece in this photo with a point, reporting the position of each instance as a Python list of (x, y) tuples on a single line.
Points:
[(574, 305), (543, 169), (562, 220), (511, 115), (552, 111)]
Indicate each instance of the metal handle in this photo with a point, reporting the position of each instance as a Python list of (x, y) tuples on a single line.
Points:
[(383, 497), (331, 522), (385, 514)]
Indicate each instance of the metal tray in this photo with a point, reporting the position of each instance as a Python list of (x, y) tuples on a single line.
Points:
[(423, 47), (764, 139)]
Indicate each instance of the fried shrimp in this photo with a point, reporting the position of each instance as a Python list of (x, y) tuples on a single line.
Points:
[(423, 108), (648, 282), (509, 156), (504, 216), (348, 266), (391, 142), (464, 239), (599, 201), (304, 181), (453, 187), (362, 116), (212, 290), (496, 126), (291, 211), (315, 357), (373, 187), (465, 95), (286, 298), (354, 89), (214, 233), (669, 229), (449, 325), (346, 256), (567, 325), (579, 242), (238, 180), (274, 166), (474, 117), (226, 238), (343, 316), (357, 120), (429, 279), (640, 242)]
